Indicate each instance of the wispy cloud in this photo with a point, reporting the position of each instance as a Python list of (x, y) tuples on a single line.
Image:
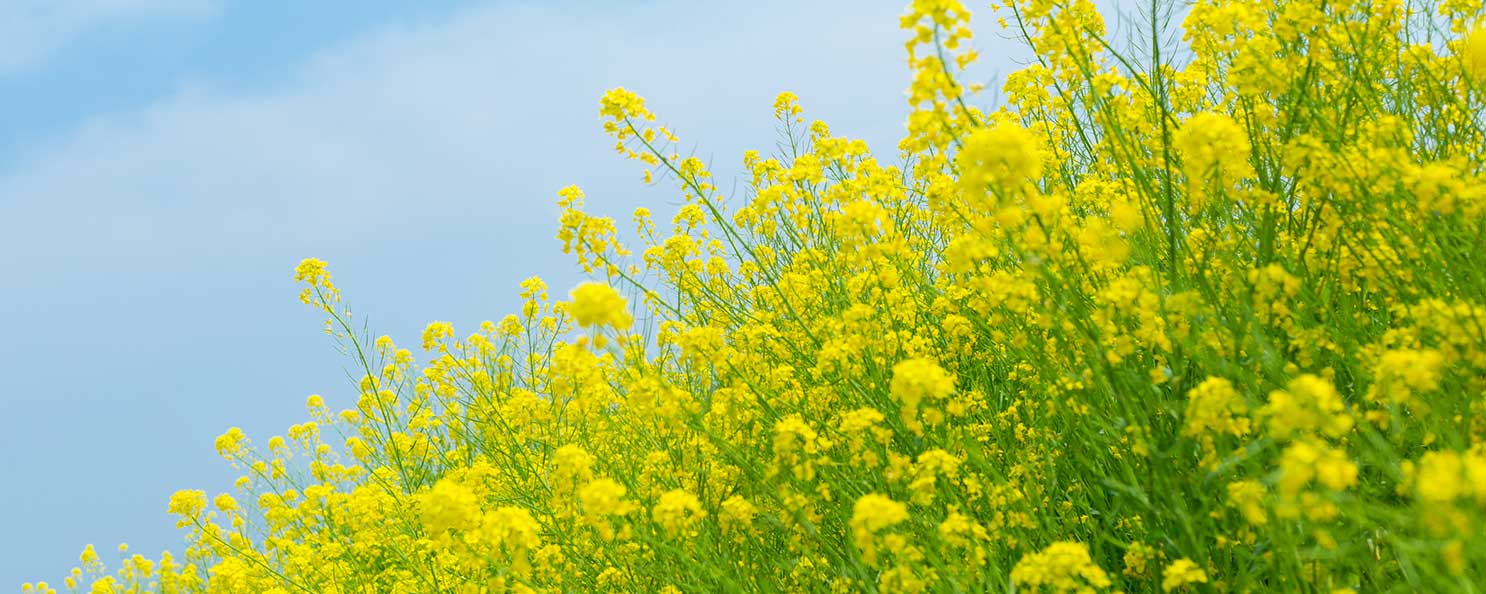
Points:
[(485, 115), (32, 30)]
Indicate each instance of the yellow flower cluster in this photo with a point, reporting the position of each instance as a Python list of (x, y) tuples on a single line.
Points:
[(1215, 149), (870, 515), (1198, 316), (596, 304), (1061, 567), (1181, 573)]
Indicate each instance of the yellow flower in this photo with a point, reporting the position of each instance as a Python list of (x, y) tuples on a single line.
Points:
[(1473, 53), (737, 514), (231, 444), (619, 103), (1305, 460), (1248, 497), (1307, 405), (1212, 147), (1180, 573), (1062, 567), (872, 514), (787, 106), (312, 271), (1401, 375), (435, 332), (1003, 156), (571, 467), (225, 503), (1137, 556), (187, 503), (915, 380), (966, 330), (597, 304), (604, 497), (1215, 407), (1446, 475), (677, 511), (513, 529), (449, 506), (320, 292)]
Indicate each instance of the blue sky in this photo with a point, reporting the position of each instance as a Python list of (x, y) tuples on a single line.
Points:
[(165, 163)]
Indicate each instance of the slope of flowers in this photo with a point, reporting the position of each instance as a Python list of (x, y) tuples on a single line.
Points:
[(1200, 320)]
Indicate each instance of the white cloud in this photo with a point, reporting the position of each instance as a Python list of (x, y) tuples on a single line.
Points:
[(484, 115), (32, 30)]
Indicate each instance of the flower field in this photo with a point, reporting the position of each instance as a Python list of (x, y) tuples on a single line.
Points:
[(1198, 311)]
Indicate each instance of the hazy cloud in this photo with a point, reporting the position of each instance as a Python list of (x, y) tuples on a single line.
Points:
[(31, 30)]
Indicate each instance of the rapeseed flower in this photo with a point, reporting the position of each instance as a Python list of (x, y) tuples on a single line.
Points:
[(1210, 316), (1180, 573), (596, 304)]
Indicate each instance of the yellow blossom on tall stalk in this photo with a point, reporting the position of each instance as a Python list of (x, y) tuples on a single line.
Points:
[(1214, 152), (1181, 573), (1473, 53), (596, 304), (1061, 567), (870, 515)]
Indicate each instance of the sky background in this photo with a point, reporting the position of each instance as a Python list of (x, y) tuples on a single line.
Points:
[(164, 164)]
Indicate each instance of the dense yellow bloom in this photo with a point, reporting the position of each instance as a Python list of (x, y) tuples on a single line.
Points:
[(1308, 404), (188, 503), (1444, 476), (1214, 406), (870, 515), (597, 304), (737, 514), (1473, 53), (435, 332), (1003, 156), (571, 468), (1212, 147), (223, 502), (916, 382), (677, 511), (1401, 375), (619, 103), (604, 497), (514, 530), (1061, 567), (1305, 460), (1180, 573), (1248, 497), (449, 506), (312, 271), (230, 444)]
